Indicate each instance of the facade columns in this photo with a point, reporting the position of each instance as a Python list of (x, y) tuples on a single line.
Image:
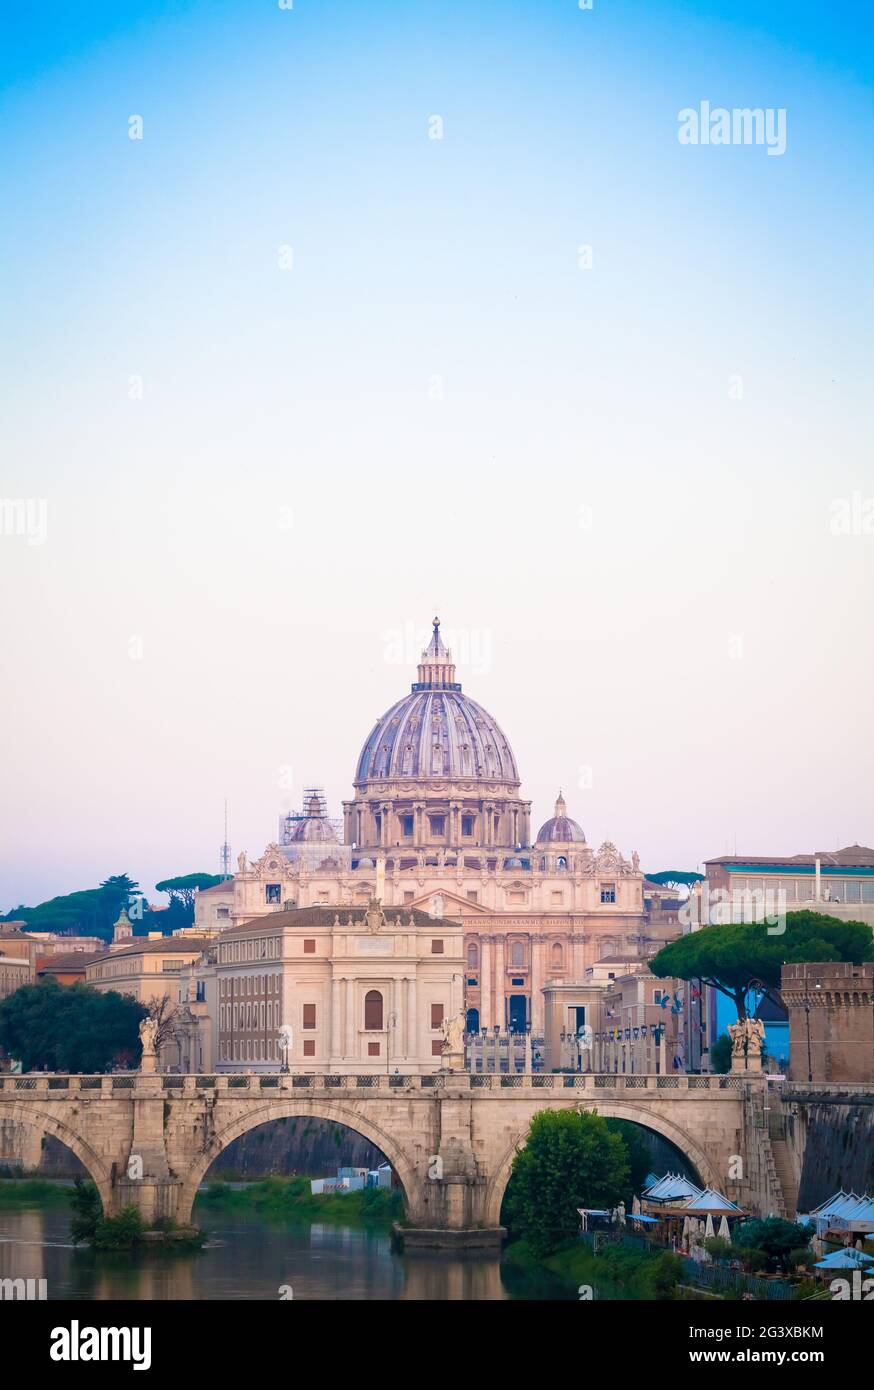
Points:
[(485, 983), (395, 1043), (336, 1034), (577, 940), (537, 1020), (412, 1017), (350, 1018), (500, 984)]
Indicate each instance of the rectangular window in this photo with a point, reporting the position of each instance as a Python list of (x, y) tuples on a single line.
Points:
[(408, 897), (309, 947), (309, 1047), (608, 892), (472, 980), (556, 898), (436, 1015), (309, 1015), (407, 826), (438, 824), (373, 1049), (273, 892), (436, 948), (223, 912), (467, 825), (472, 895), (436, 1047)]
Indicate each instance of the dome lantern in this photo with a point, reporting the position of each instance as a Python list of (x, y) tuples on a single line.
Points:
[(436, 669)]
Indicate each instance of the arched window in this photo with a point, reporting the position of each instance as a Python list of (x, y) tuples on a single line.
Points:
[(557, 956), (561, 862), (517, 953), (472, 956), (373, 1010)]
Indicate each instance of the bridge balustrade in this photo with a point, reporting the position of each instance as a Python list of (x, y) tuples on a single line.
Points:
[(44, 1084)]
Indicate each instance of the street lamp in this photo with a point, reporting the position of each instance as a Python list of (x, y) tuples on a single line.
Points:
[(807, 1020)]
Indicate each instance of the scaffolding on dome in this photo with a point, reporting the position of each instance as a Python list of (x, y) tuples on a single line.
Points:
[(314, 808)]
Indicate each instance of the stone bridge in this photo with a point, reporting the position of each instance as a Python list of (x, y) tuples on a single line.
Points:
[(149, 1140)]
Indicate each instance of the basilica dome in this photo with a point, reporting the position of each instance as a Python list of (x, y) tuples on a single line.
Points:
[(312, 826), (437, 732), (560, 829)]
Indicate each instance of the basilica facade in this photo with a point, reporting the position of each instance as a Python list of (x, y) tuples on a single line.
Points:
[(437, 825)]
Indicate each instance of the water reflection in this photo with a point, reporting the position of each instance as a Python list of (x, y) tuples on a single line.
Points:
[(247, 1257)]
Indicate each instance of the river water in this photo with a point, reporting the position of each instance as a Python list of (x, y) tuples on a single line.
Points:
[(246, 1257)]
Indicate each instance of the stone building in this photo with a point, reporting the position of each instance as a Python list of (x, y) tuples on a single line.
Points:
[(363, 990), (831, 1021), (149, 970), (437, 824), (839, 883)]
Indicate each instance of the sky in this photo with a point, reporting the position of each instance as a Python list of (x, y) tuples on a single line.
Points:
[(404, 309)]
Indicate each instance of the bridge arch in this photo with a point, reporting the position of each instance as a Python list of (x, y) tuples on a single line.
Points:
[(290, 1109), (612, 1110), (47, 1123)]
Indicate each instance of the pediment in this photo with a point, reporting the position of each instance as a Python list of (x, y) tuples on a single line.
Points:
[(453, 900)]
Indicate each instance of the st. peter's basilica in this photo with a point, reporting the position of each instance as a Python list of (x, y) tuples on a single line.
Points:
[(437, 823)]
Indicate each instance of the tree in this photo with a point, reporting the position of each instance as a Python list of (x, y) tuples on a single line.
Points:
[(88, 912), (184, 887), (737, 959), (640, 1161), (72, 1028), (720, 1055), (676, 878), (783, 1244), (571, 1160), (163, 1012)]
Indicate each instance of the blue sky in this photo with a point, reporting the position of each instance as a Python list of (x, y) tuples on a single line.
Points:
[(425, 408)]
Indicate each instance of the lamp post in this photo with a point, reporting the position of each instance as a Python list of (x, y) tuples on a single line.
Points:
[(807, 1020), (658, 1035)]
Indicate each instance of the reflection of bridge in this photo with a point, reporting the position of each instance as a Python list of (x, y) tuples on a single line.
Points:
[(149, 1140)]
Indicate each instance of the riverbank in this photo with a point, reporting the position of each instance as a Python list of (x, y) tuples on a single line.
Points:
[(28, 1192), (616, 1272), (291, 1199)]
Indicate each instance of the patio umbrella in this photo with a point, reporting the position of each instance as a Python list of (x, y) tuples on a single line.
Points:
[(708, 1227), (723, 1229), (845, 1259)]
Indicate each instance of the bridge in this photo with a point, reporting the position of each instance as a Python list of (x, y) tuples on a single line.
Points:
[(149, 1140)]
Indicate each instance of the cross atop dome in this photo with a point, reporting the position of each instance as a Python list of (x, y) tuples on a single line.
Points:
[(436, 669)]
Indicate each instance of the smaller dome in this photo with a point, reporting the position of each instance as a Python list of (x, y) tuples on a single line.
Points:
[(560, 829), (312, 826)]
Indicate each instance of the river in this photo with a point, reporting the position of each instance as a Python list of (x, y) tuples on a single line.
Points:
[(247, 1256)]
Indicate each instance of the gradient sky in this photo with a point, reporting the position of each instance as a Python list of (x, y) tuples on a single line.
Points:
[(434, 409)]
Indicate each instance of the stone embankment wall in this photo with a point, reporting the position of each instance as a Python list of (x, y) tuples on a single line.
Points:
[(832, 1147)]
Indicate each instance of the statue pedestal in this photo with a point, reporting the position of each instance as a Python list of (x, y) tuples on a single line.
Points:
[(453, 1061), (147, 1064), (747, 1066)]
